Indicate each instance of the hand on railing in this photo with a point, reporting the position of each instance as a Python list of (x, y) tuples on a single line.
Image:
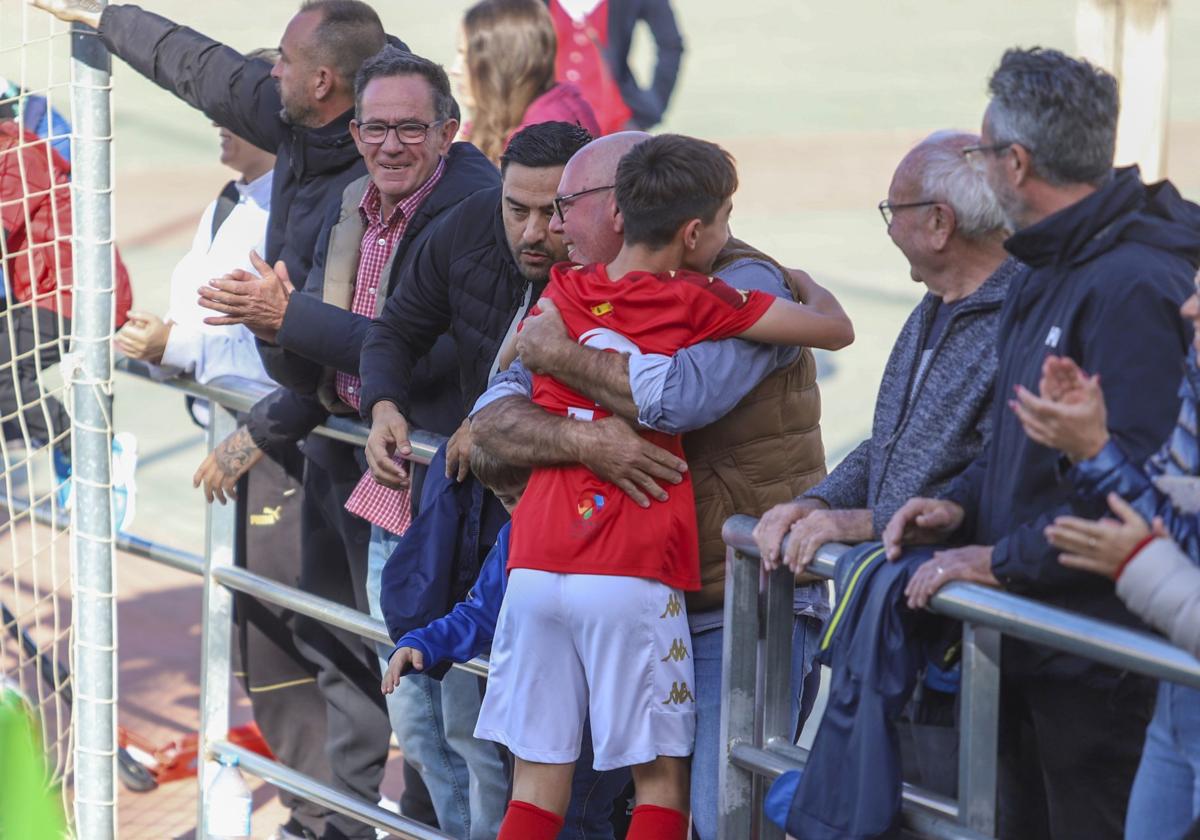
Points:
[(921, 522), (775, 525), (389, 435), (970, 563), (220, 470)]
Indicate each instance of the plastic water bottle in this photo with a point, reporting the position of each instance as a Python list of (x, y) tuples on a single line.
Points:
[(229, 803)]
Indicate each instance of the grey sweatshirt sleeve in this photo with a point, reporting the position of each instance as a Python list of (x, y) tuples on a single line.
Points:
[(1161, 585), (846, 487)]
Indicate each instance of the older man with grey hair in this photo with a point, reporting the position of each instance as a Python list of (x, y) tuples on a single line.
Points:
[(932, 413)]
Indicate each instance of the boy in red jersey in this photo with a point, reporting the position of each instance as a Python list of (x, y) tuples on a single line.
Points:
[(592, 622)]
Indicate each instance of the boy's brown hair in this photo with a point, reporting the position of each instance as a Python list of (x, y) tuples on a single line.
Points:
[(496, 474), (665, 182)]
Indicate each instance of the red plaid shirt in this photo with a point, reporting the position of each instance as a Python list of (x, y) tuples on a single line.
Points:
[(389, 509)]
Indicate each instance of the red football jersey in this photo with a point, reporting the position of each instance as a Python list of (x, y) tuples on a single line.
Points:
[(570, 520)]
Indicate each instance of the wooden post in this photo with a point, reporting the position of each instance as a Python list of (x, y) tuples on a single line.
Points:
[(1129, 38)]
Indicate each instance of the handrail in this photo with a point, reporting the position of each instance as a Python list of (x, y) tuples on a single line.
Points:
[(1024, 618), (240, 395)]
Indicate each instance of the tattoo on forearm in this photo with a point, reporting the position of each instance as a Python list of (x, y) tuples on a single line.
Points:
[(236, 453)]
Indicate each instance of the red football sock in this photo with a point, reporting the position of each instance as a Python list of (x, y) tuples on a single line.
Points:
[(523, 821), (653, 822)]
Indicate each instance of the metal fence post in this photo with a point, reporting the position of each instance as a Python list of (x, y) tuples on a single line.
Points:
[(735, 800), (95, 634), (219, 537), (979, 728), (774, 719)]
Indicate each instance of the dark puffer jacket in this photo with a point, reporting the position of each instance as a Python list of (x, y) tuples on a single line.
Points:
[(462, 281), (312, 166)]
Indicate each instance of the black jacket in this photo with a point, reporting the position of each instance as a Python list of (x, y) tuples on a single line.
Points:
[(316, 334), (1107, 276), (312, 166), (463, 281)]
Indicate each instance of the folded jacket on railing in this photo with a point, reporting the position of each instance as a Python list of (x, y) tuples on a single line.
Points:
[(875, 645)]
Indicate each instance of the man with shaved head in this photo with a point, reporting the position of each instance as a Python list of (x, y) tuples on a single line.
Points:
[(751, 414)]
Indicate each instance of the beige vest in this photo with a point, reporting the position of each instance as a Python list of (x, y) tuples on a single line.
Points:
[(767, 450), (341, 273)]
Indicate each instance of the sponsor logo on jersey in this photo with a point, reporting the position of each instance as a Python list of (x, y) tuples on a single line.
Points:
[(589, 505), (602, 309)]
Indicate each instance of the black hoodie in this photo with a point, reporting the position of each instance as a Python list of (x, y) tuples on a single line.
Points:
[(1107, 276), (312, 165)]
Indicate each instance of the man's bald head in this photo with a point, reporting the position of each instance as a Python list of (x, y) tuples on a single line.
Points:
[(590, 225)]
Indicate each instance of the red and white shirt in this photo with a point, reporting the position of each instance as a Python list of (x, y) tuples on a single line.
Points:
[(571, 521), (389, 509)]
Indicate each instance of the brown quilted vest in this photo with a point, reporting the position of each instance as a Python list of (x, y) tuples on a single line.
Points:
[(767, 450)]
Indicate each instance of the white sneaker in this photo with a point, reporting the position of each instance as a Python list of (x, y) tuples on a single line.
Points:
[(124, 464)]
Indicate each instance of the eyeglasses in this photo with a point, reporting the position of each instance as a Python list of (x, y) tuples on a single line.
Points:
[(409, 133), (562, 202), (888, 210), (993, 148)]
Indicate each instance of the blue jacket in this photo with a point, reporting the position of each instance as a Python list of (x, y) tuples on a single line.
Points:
[(1106, 278), (467, 630), (851, 785), (1112, 471), (440, 556)]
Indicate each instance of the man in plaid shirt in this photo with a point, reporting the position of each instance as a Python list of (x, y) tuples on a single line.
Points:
[(404, 125)]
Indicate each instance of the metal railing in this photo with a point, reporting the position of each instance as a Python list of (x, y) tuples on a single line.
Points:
[(755, 707), (222, 578), (756, 675)]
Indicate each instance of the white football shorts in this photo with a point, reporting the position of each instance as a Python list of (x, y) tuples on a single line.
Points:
[(569, 646)]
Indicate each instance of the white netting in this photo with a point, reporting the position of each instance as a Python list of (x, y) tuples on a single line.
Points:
[(35, 208)]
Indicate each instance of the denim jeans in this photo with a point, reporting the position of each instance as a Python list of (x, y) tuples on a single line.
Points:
[(434, 725), (1166, 791), (706, 655)]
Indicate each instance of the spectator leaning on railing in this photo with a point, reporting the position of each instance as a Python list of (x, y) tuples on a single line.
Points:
[(404, 125), (1151, 550), (280, 682), (759, 403), (933, 412), (1111, 260)]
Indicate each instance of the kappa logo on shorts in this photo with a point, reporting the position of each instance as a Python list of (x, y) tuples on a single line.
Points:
[(678, 652), (674, 608), (269, 516), (680, 694)]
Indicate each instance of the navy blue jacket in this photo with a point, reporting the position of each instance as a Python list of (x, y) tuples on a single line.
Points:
[(439, 557), (875, 645), (1107, 276), (467, 630)]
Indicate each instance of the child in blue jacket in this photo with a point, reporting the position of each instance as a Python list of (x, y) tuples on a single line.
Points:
[(466, 631)]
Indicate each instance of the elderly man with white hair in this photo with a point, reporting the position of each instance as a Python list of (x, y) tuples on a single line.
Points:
[(932, 412)]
